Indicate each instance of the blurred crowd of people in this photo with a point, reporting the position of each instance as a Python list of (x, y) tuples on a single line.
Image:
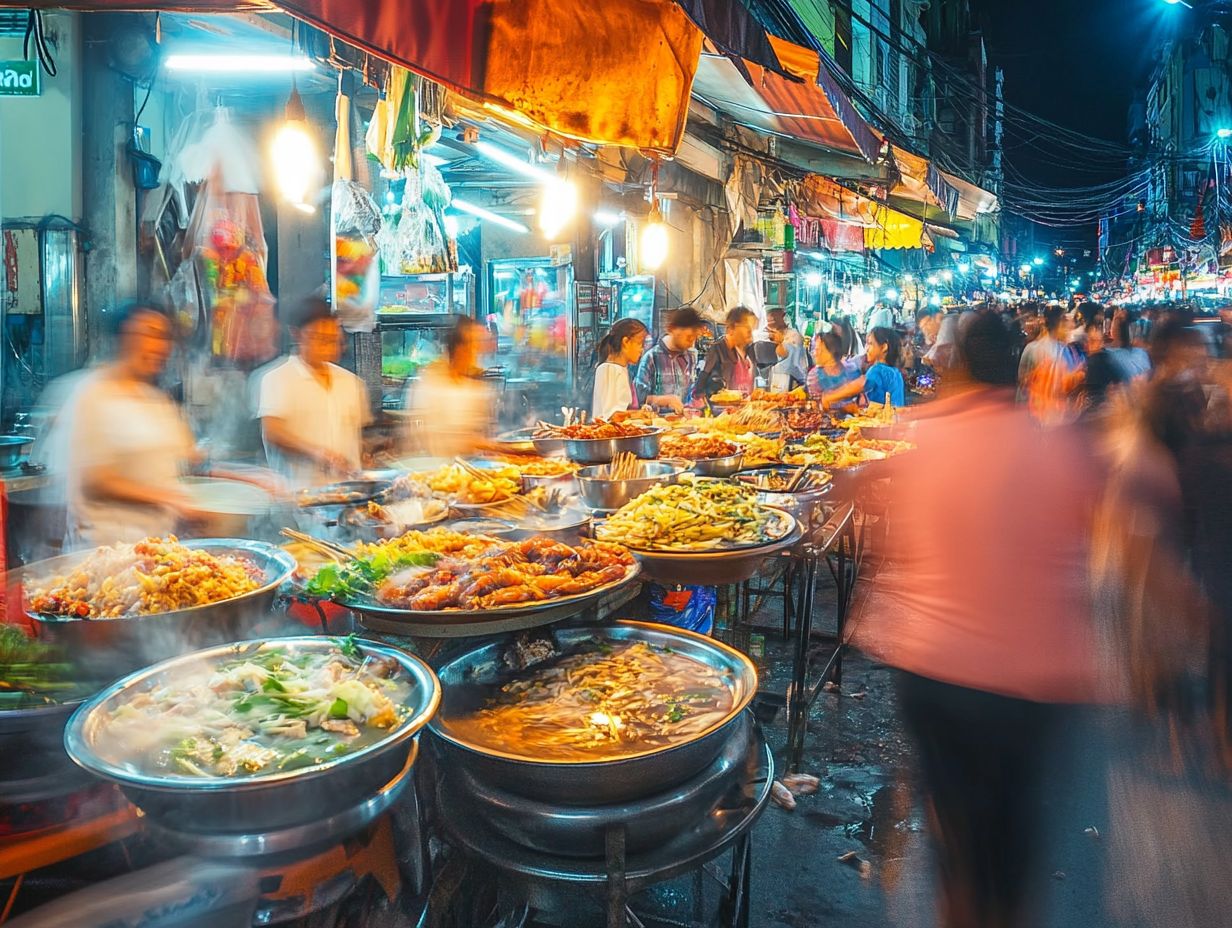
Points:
[(1057, 540)]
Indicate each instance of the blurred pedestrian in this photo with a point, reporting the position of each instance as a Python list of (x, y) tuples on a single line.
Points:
[(991, 631), (313, 412), (127, 442), (791, 357), (449, 406)]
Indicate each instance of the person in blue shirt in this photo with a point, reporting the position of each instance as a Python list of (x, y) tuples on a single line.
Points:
[(882, 379)]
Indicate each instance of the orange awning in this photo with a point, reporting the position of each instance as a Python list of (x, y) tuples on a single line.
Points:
[(617, 72), (812, 109)]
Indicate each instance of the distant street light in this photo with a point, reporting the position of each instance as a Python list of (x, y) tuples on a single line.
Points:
[(1224, 133), (1181, 2), (1037, 261)]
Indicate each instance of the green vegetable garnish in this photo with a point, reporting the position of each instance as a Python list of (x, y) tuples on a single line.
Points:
[(361, 575), (339, 709)]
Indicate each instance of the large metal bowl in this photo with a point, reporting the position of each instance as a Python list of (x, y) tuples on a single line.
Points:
[(602, 450), (12, 449), (718, 467), (109, 648), (468, 679), (247, 804), (524, 441), (598, 492), (803, 504)]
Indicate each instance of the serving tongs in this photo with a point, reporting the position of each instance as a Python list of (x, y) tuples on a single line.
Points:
[(511, 500), (335, 552), (798, 478)]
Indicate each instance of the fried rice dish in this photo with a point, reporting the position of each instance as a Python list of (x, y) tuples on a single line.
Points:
[(154, 575)]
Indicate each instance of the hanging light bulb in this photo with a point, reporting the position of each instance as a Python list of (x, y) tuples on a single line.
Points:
[(653, 250), (557, 206), (297, 163)]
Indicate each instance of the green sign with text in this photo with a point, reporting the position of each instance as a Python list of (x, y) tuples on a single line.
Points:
[(20, 79)]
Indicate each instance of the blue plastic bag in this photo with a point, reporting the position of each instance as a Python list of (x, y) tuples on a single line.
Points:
[(687, 607)]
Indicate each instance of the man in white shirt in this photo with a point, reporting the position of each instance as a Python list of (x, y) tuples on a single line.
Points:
[(312, 411)]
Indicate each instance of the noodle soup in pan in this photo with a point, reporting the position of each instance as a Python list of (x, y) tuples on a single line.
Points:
[(599, 700)]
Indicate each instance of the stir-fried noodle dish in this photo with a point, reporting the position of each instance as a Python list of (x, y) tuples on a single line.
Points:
[(605, 701)]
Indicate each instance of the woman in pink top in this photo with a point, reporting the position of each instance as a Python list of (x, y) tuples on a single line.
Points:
[(983, 605)]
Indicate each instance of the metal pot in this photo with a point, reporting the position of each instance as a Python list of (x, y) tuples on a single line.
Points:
[(467, 679), (564, 482), (112, 647), (602, 450), (803, 504), (573, 831), (598, 492), (12, 449), (247, 804), (718, 467), (32, 744)]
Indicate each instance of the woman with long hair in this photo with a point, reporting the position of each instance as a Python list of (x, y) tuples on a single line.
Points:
[(620, 349), (882, 379)]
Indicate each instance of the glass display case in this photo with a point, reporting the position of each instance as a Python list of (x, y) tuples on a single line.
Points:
[(531, 311), (635, 297), (426, 295)]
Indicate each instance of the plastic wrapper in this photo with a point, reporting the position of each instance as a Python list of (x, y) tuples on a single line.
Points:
[(357, 274), (226, 241), (417, 242), (687, 607)]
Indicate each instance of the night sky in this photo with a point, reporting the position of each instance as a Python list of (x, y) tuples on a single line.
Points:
[(1077, 63)]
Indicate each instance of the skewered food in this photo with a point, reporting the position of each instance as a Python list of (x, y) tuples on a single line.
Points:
[(624, 466), (442, 570), (275, 710), (606, 700), (697, 447), (737, 422), (152, 576), (693, 515), (797, 397), (464, 485), (595, 429)]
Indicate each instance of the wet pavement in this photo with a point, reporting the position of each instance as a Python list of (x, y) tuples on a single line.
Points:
[(1132, 841)]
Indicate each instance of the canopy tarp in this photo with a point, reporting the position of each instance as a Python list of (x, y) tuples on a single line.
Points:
[(973, 201), (611, 73), (805, 110), (618, 72), (894, 230), (919, 180)]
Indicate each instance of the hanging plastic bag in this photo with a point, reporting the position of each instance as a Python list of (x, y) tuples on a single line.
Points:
[(418, 243), (355, 220), (227, 244)]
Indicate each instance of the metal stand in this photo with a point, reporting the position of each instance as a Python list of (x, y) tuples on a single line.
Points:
[(839, 542)]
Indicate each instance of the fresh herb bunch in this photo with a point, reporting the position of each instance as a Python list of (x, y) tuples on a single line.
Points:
[(360, 576)]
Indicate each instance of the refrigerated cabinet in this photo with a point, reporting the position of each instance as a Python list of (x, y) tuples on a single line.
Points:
[(532, 311)]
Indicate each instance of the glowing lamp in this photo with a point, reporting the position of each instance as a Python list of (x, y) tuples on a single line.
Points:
[(653, 246), (296, 161)]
